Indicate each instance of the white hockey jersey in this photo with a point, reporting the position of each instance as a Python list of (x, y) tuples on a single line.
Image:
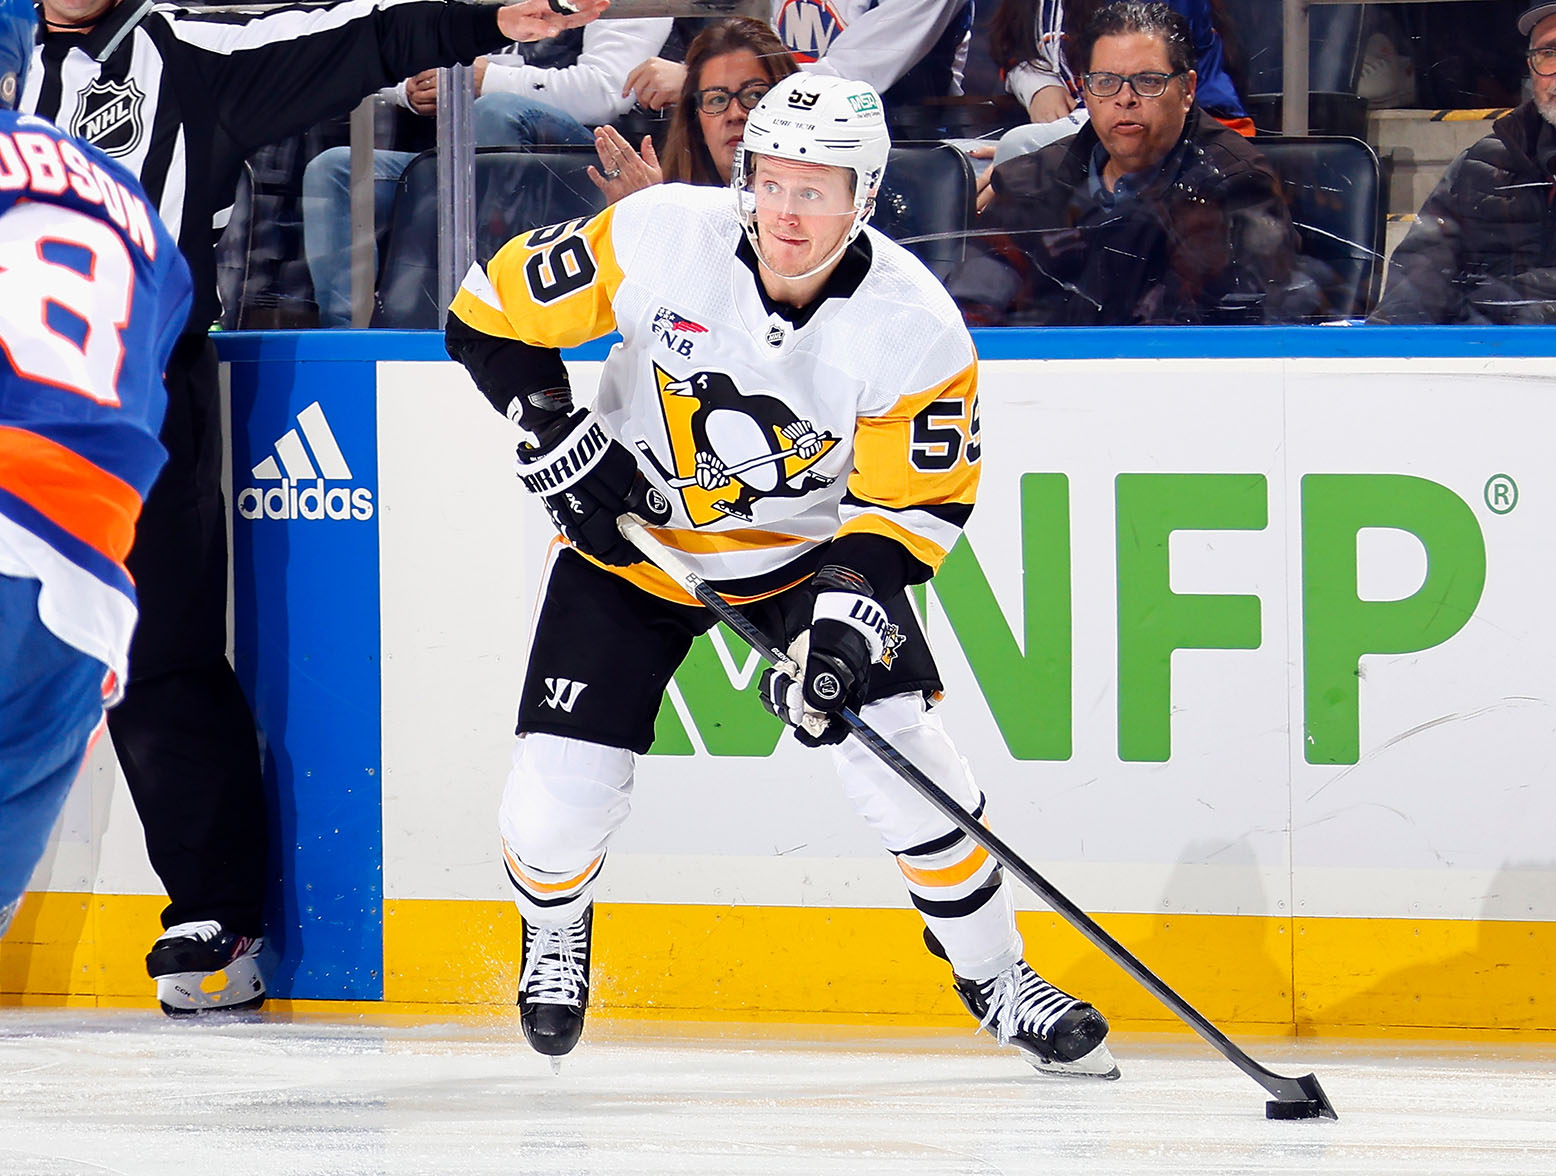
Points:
[(909, 50), (885, 380)]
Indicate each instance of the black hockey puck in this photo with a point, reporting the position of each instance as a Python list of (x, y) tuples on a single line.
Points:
[(1302, 1108)]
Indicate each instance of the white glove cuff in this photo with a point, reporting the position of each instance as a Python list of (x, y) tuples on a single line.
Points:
[(568, 460), (859, 612)]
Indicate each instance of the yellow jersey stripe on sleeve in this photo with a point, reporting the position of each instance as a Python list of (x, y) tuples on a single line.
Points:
[(475, 303), (556, 284), (928, 552), (917, 467)]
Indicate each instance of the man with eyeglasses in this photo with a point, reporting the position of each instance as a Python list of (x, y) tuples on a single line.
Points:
[(1483, 248), (1153, 212)]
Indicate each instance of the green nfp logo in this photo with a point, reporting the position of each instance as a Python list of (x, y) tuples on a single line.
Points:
[(1027, 680)]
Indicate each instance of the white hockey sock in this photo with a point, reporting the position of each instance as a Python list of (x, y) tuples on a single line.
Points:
[(548, 899), (952, 881), (965, 901)]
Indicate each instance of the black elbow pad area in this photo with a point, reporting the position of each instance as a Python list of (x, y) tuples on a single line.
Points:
[(885, 564), (506, 370)]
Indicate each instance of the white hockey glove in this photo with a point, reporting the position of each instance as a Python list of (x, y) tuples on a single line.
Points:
[(847, 635), (586, 478)]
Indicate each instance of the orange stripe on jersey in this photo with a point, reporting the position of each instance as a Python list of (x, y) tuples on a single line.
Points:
[(547, 887), (657, 582), (951, 875), (555, 284), (67, 489), (715, 542)]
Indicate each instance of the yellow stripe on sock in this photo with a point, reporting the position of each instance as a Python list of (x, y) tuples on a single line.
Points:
[(547, 887), (951, 875)]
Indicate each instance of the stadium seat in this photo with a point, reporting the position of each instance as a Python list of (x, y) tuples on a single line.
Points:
[(927, 200), (1328, 113), (514, 190), (1334, 189), (927, 203)]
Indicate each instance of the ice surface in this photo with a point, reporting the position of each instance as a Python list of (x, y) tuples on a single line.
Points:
[(115, 1091)]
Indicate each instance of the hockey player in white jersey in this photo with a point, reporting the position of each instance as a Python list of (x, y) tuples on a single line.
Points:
[(802, 395)]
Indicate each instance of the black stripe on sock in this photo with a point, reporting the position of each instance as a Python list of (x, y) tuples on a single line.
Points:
[(960, 907), (944, 842)]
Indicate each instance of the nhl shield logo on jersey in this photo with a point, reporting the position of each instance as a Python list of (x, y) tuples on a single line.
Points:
[(730, 449), (108, 116)]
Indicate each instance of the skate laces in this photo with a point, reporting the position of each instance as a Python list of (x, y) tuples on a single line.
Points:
[(1021, 1001), (205, 930), (554, 967)]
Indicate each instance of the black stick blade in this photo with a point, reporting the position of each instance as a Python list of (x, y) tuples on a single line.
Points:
[(1315, 1105)]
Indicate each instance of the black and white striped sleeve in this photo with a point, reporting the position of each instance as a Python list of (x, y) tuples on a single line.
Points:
[(277, 73)]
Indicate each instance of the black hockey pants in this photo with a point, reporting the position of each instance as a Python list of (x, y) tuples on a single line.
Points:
[(184, 734)]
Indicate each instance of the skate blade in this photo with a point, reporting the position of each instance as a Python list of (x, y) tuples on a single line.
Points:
[(1098, 1063), (556, 1065), (237, 987)]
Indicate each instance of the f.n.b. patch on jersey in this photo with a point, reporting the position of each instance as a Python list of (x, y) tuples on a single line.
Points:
[(731, 448), (109, 116), (673, 330)]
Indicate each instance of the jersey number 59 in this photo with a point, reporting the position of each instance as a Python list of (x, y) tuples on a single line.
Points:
[(938, 442), (561, 263)]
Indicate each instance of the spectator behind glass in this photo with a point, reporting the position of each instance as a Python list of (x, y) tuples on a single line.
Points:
[(908, 50), (1153, 212), (1028, 39), (544, 94), (733, 61), (1483, 248)]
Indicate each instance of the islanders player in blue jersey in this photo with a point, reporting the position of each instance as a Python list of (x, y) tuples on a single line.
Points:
[(93, 292)]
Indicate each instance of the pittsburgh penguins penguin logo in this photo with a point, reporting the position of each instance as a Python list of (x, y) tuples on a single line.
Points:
[(731, 449)]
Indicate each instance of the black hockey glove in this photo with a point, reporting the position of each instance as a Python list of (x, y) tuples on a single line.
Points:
[(586, 478), (848, 633)]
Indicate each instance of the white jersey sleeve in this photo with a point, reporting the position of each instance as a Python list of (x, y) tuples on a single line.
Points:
[(590, 88), (884, 40)]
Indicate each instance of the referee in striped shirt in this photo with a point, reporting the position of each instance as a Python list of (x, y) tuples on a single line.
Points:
[(181, 97)]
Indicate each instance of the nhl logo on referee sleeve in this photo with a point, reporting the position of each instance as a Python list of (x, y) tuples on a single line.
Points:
[(108, 116)]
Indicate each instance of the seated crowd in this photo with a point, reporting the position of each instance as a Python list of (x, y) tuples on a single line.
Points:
[(1118, 176)]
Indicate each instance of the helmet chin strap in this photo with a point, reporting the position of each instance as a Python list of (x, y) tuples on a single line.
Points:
[(861, 216), (756, 247)]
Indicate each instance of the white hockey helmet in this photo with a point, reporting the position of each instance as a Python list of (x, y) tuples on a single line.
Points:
[(815, 118)]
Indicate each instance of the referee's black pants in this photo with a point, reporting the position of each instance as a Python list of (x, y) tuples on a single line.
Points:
[(184, 734)]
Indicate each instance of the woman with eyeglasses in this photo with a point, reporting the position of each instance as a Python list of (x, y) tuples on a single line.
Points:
[(729, 66), (1028, 41)]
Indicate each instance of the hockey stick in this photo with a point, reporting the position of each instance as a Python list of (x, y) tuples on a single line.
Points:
[(1295, 1098)]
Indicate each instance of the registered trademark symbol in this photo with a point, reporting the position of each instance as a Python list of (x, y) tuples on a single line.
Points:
[(1501, 493)]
